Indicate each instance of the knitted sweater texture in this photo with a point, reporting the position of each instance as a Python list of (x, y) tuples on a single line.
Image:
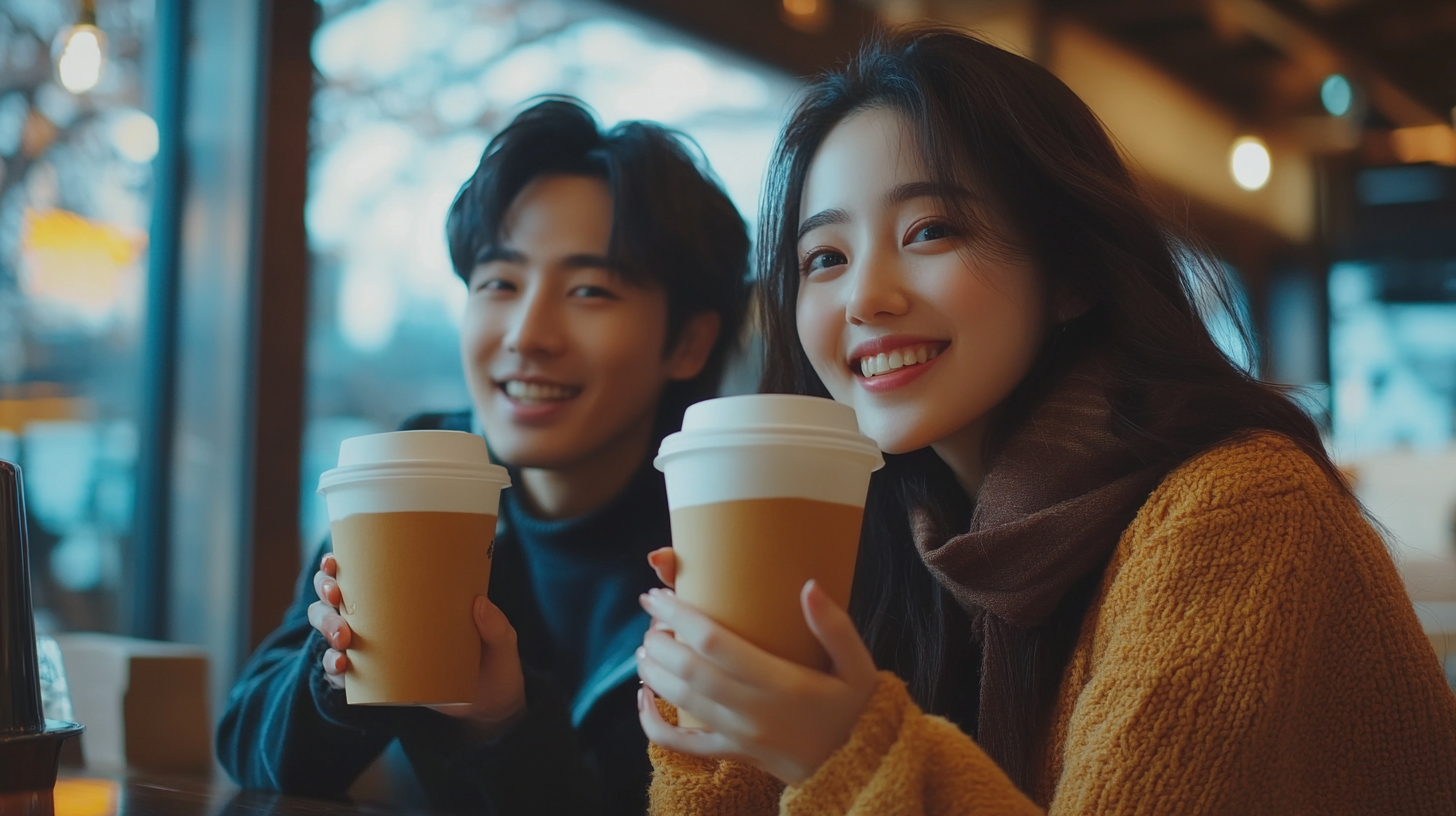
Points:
[(1250, 650)]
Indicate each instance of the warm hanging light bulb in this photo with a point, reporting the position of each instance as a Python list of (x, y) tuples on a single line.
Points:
[(80, 52), (1249, 162), (809, 16)]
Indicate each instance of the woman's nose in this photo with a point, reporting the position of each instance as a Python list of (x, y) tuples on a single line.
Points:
[(877, 289)]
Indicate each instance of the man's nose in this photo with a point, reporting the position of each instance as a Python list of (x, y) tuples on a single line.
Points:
[(535, 327)]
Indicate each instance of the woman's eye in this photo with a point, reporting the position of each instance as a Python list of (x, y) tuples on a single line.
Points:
[(823, 259), (930, 232)]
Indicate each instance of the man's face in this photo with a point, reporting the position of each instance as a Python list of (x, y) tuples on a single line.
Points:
[(564, 359)]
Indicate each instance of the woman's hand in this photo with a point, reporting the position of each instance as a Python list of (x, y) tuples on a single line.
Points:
[(500, 692), (761, 709), (664, 562), (323, 615)]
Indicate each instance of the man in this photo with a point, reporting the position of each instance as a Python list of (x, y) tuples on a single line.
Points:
[(608, 280)]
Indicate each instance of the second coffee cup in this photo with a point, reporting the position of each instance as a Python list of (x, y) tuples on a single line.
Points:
[(413, 517), (766, 492)]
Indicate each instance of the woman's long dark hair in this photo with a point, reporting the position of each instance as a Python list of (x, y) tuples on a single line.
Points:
[(989, 118)]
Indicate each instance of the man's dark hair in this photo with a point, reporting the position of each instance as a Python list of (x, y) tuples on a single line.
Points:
[(672, 225)]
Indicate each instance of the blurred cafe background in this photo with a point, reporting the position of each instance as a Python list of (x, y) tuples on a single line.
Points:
[(221, 239)]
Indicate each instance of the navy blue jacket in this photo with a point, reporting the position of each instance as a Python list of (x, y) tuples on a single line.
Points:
[(569, 588)]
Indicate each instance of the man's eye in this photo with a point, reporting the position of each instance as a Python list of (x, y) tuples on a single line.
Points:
[(592, 292), (823, 259), (495, 285)]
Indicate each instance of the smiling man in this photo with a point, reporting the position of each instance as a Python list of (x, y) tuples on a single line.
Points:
[(608, 280)]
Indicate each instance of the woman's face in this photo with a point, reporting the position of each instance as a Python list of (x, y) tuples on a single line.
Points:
[(565, 360), (921, 327)]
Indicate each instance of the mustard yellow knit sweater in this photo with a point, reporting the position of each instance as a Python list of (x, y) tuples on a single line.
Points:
[(1250, 651)]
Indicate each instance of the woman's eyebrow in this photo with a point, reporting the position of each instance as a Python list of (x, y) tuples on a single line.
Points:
[(926, 189), (822, 219)]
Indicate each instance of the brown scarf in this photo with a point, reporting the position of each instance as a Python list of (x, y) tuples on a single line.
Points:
[(1049, 513)]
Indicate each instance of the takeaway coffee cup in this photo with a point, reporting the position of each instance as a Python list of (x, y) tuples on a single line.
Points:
[(413, 518), (766, 492)]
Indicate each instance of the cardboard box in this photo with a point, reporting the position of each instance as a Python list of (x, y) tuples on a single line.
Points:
[(144, 703)]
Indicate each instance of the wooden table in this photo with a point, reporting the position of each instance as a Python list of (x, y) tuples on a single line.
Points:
[(80, 793)]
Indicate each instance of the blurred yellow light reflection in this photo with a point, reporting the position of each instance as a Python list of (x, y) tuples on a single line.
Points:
[(87, 797), (1431, 143), (1250, 163), (88, 268)]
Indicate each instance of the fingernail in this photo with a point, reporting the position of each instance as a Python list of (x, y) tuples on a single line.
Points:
[(641, 700), (641, 652), (652, 602)]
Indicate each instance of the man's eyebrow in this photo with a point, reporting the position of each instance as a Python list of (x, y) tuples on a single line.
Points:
[(822, 219), (926, 189), (494, 254), (589, 261)]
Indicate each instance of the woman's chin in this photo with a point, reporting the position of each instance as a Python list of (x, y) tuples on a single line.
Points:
[(894, 442)]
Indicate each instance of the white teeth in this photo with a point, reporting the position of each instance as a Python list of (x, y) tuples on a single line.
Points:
[(537, 392), (875, 365)]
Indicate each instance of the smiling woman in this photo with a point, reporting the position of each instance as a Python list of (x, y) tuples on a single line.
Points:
[(1105, 569)]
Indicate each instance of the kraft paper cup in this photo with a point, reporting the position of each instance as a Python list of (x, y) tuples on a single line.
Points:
[(766, 492), (413, 520)]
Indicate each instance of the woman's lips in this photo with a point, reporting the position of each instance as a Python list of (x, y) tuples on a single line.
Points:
[(897, 378), (876, 365)]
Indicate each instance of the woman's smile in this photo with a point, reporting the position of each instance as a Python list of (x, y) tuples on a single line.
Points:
[(920, 322), (893, 361)]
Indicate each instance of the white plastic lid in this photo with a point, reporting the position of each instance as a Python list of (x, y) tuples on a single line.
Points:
[(770, 419), (455, 447), (453, 454), (777, 411)]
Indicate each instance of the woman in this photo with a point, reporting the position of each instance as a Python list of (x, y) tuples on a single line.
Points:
[(607, 282), (1104, 569)]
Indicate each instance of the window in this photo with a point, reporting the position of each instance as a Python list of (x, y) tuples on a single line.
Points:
[(75, 206), (410, 92)]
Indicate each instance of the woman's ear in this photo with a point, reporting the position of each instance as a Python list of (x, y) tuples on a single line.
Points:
[(1069, 305), (694, 345)]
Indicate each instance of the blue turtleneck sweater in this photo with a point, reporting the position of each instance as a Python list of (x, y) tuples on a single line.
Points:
[(569, 587)]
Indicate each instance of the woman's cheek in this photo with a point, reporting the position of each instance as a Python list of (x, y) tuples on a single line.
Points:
[(819, 335)]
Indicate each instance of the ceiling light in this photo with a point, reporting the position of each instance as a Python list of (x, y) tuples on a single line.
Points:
[(80, 52), (1337, 95), (1250, 163), (809, 16)]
